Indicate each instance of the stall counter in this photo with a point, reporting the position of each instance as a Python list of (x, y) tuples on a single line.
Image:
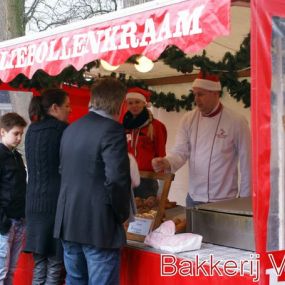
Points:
[(142, 265)]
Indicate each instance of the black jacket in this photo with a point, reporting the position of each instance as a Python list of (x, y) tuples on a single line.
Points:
[(12, 187), (94, 198), (42, 145)]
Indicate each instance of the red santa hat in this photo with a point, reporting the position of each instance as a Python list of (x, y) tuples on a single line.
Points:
[(207, 81), (138, 93)]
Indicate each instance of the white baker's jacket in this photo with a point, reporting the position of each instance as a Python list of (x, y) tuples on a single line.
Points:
[(213, 146)]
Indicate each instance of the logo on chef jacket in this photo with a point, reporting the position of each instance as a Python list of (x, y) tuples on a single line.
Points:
[(221, 134)]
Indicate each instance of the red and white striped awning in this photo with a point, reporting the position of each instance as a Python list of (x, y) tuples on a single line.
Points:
[(190, 25)]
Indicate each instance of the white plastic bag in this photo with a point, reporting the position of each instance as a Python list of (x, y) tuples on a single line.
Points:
[(164, 238)]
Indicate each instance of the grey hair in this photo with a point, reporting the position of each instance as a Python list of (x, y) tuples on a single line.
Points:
[(107, 94)]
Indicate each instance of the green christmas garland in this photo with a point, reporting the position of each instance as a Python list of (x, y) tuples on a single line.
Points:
[(227, 69)]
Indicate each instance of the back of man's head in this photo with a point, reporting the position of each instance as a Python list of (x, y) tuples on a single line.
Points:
[(107, 94)]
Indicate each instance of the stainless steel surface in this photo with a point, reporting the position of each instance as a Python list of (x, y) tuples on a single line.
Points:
[(227, 223), (239, 206)]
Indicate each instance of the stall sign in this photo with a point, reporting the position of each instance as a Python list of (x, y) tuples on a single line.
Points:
[(190, 25)]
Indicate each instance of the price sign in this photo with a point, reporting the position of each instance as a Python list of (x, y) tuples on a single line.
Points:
[(140, 226)]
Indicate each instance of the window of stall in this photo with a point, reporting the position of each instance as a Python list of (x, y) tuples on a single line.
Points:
[(276, 234), (5, 103)]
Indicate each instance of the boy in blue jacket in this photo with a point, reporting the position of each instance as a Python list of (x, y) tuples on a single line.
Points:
[(12, 195)]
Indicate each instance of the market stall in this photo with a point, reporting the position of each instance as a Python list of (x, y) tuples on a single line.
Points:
[(191, 26)]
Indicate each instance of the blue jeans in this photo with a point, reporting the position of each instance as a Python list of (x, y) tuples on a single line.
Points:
[(11, 245), (88, 265)]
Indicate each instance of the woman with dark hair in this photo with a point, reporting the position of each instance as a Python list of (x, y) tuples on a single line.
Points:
[(49, 115)]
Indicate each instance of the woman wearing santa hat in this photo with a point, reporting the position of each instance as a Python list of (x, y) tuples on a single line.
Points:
[(213, 138), (146, 137)]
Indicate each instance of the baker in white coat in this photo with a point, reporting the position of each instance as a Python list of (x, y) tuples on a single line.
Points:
[(213, 138)]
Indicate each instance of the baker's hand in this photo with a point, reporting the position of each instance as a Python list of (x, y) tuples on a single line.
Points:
[(160, 164)]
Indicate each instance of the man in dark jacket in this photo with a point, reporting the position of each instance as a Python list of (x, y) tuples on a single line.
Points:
[(94, 198)]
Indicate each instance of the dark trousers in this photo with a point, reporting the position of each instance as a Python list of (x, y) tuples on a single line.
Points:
[(48, 270)]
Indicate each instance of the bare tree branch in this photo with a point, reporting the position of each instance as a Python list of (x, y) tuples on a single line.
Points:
[(45, 14), (30, 11)]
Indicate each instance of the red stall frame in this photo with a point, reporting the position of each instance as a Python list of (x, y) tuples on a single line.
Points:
[(262, 12), (261, 28)]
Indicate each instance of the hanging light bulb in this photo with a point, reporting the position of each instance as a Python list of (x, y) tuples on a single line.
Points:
[(108, 66), (88, 76), (144, 64)]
